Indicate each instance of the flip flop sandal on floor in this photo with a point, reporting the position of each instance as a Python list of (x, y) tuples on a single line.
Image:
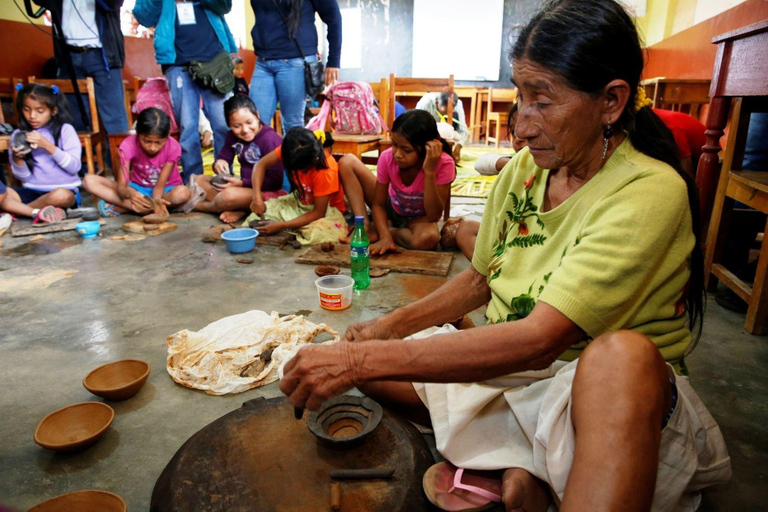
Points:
[(459, 490), (107, 209), (49, 215)]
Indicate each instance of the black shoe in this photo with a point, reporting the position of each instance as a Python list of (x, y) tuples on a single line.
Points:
[(730, 301)]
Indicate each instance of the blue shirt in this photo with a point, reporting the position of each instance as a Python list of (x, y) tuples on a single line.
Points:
[(270, 35), (196, 41)]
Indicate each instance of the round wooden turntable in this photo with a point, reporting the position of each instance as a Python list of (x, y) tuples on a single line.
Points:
[(260, 458)]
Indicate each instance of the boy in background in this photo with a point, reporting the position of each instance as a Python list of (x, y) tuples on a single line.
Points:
[(241, 86)]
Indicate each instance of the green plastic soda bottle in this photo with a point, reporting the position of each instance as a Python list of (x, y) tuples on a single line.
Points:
[(359, 255)]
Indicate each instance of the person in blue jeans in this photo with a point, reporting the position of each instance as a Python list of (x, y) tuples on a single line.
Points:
[(92, 36), (187, 31), (279, 71)]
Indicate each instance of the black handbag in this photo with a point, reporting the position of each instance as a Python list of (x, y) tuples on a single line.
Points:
[(217, 74), (314, 72)]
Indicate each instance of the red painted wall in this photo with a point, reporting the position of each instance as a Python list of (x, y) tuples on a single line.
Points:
[(690, 53), (26, 48)]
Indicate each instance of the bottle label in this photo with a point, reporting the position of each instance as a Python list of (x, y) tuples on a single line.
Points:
[(359, 252)]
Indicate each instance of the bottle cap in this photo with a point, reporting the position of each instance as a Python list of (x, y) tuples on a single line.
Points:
[(359, 219)]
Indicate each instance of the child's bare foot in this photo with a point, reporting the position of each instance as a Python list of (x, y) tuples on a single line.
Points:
[(520, 490), (231, 217)]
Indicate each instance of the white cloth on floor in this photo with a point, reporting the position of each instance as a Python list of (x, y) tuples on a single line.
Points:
[(217, 358), (524, 420)]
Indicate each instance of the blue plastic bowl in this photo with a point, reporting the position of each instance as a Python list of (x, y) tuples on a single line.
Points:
[(88, 229), (240, 240)]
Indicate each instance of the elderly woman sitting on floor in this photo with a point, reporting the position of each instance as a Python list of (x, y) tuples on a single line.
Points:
[(588, 254)]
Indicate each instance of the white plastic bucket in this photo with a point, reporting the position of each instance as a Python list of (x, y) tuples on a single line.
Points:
[(334, 292)]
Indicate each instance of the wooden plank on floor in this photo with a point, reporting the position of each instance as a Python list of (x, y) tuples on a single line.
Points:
[(428, 263), (32, 229), (154, 229)]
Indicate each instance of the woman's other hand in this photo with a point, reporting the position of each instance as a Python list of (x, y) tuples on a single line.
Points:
[(317, 373), (383, 246), (376, 329), (257, 205), (231, 181), (331, 75)]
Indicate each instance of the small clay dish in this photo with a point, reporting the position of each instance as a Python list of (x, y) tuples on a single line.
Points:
[(83, 501), (119, 380), (345, 420), (218, 180), (327, 270), (75, 427), (20, 140)]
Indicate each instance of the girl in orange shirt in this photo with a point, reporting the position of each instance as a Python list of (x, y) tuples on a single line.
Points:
[(316, 205)]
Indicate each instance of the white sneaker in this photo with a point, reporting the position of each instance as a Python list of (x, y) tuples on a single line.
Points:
[(5, 221), (198, 194)]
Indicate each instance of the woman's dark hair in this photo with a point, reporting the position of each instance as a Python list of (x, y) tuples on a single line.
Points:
[(419, 127), (153, 121), (294, 15), (237, 102), (589, 43), (302, 150), (511, 120), (54, 99), (237, 59)]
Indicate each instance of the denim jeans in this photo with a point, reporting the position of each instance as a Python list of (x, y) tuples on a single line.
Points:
[(280, 80), (108, 86), (185, 97)]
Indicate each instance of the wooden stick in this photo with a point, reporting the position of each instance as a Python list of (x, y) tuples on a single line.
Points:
[(362, 474), (335, 496)]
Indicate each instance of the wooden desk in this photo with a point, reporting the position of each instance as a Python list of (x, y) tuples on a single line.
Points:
[(739, 71), (355, 144), (740, 74), (677, 94)]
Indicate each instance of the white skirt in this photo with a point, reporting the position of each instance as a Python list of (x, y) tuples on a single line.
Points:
[(524, 421)]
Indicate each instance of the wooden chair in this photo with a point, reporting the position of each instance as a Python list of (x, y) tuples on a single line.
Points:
[(381, 92), (418, 85), (131, 91), (738, 74), (93, 140), (497, 118)]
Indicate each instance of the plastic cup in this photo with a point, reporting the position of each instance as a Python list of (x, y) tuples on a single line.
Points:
[(334, 292)]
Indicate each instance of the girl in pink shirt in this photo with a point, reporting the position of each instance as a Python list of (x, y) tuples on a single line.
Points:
[(150, 181), (408, 193)]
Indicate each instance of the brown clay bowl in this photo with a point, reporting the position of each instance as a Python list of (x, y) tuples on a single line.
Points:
[(83, 501), (75, 427), (345, 420), (118, 380)]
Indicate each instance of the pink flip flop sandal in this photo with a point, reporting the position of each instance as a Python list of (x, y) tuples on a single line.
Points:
[(458, 490), (49, 215)]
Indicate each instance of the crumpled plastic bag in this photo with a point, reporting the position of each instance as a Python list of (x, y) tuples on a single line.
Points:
[(224, 357)]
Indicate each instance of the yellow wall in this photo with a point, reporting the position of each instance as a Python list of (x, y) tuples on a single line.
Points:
[(250, 20), (9, 11), (665, 18)]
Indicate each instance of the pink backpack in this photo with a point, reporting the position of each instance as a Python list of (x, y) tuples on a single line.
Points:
[(354, 110), (155, 93)]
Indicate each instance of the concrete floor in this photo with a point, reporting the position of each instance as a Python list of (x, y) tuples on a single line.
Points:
[(124, 298)]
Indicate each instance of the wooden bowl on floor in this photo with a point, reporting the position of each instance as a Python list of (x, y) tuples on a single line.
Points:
[(75, 427), (118, 380), (83, 501)]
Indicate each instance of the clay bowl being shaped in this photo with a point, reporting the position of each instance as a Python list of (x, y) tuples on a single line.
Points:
[(75, 427), (219, 180), (345, 421), (117, 381), (83, 501)]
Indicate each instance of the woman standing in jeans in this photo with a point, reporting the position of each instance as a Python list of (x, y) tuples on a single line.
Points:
[(279, 72)]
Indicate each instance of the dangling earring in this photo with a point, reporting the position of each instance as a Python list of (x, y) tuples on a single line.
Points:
[(607, 134)]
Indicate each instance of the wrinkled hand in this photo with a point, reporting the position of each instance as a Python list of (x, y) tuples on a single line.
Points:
[(221, 167), (434, 149), (141, 204), (376, 329), (331, 75), (257, 205), (383, 246), (317, 373), (231, 182), (269, 227)]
